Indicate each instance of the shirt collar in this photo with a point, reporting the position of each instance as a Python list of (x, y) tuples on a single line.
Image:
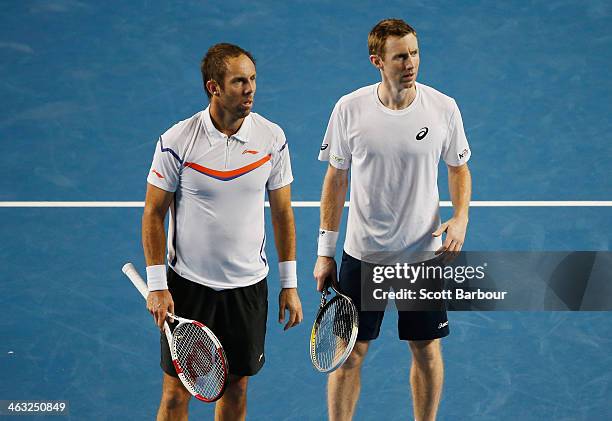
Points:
[(242, 135)]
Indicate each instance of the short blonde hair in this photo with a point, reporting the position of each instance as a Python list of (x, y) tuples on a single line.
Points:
[(384, 29)]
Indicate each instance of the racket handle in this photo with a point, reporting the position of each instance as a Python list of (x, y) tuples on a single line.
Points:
[(131, 272)]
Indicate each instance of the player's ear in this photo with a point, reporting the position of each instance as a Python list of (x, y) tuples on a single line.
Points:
[(212, 87), (376, 61)]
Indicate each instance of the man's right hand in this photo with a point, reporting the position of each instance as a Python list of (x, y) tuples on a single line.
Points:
[(159, 303), (324, 268)]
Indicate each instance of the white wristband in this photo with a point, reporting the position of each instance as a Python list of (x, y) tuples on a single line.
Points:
[(156, 278), (288, 274), (327, 243)]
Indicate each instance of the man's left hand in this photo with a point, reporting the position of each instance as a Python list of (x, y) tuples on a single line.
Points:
[(455, 235), (288, 299)]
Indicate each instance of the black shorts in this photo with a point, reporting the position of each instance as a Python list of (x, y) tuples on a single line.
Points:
[(411, 325), (236, 316)]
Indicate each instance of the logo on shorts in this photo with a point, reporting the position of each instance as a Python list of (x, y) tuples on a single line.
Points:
[(422, 133), (463, 153), (260, 357), (441, 325), (157, 174), (324, 146)]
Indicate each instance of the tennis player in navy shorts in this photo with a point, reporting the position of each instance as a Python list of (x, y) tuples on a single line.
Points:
[(391, 136)]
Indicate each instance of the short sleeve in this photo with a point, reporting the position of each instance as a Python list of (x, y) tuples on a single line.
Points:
[(335, 148), (455, 150), (166, 167), (281, 174)]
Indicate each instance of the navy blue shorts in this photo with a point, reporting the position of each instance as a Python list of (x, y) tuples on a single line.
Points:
[(411, 325)]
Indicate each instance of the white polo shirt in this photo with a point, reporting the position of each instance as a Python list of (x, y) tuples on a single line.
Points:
[(216, 235), (393, 156)]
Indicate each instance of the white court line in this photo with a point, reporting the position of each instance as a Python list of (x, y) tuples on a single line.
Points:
[(313, 204)]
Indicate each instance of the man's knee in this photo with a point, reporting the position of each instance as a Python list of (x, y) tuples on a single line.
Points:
[(357, 356), (174, 394), (426, 353)]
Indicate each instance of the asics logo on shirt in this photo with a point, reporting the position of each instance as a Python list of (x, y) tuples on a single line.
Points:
[(422, 133), (441, 325), (157, 174), (250, 151), (324, 146)]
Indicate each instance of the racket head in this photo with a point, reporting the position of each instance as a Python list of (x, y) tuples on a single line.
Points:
[(334, 333), (199, 360)]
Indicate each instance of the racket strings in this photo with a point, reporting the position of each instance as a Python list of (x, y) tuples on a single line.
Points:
[(334, 333), (197, 355)]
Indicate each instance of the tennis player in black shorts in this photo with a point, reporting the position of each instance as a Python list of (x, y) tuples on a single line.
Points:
[(212, 170), (391, 136)]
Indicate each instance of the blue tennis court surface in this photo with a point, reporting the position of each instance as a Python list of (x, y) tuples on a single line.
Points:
[(87, 87)]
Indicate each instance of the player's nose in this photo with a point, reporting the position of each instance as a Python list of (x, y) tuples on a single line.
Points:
[(250, 88), (409, 63)]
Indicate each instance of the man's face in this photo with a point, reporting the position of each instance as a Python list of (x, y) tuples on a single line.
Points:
[(400, 63), (238, 90)]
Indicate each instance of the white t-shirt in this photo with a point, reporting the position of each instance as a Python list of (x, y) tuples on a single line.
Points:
[(393, 156), (216, 235)]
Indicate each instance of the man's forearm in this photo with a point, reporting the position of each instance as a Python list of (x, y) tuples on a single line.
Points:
[(460, 187), (332, 200), (284, 233), (153, 238)]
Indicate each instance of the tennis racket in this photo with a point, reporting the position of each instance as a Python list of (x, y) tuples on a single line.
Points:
[(197, 354), (334, 331)]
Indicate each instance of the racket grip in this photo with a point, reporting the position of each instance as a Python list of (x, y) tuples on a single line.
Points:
[(131, 272)]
